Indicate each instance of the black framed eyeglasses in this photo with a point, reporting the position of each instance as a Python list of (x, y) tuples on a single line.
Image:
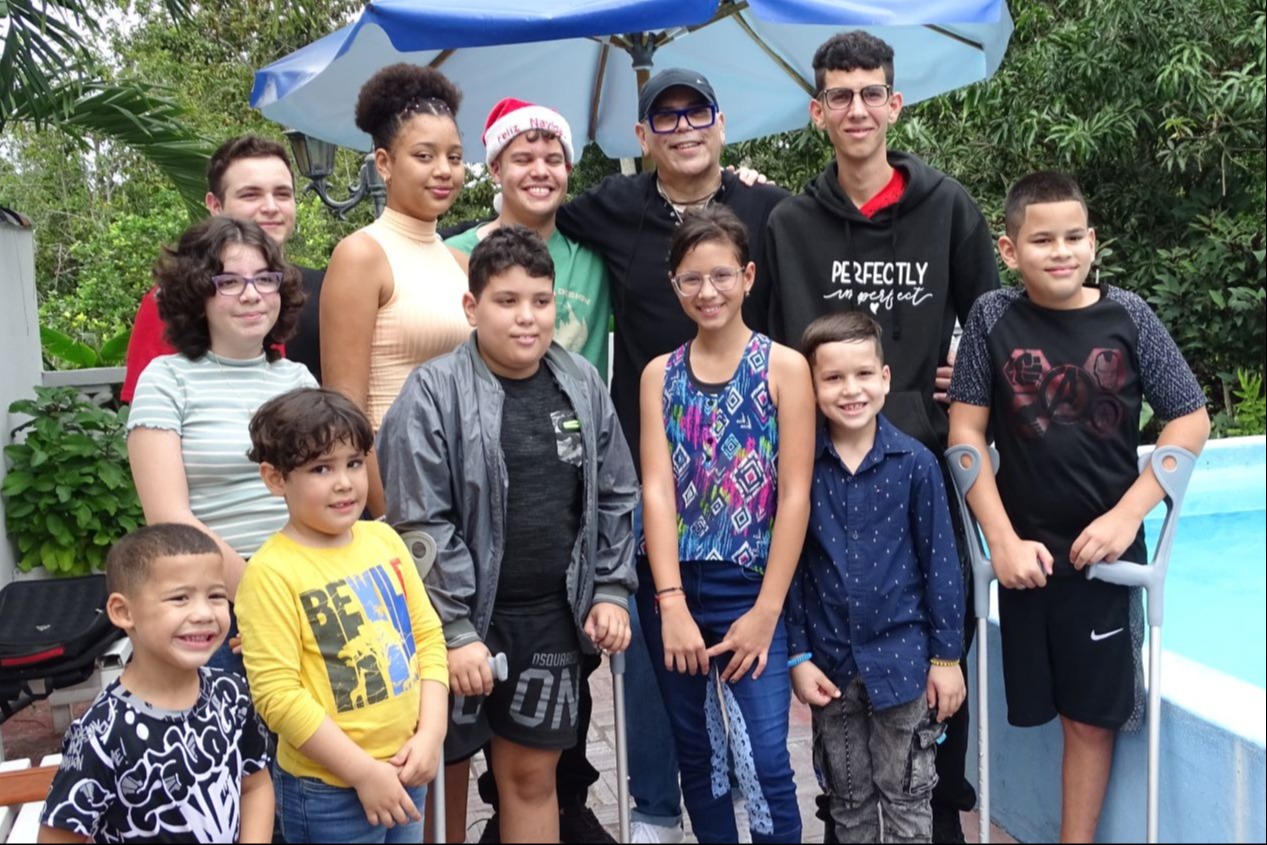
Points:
[(231, 284), (689, 284), (664, 121), (873, 96)]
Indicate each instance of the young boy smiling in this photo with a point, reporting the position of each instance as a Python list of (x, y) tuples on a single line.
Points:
[(1060, 369), (343, 651), (507, 452), (172, 750), (875, 612)]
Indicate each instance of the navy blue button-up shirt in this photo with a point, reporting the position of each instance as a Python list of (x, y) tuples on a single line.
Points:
[(878, 590)]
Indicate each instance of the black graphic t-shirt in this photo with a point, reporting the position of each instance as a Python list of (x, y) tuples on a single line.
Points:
[(541, 441), (1065, 389), (132, 772)]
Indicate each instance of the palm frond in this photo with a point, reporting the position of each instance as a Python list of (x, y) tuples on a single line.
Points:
[(136, 116)]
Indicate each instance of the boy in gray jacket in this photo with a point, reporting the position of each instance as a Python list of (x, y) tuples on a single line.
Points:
[(508, 453)]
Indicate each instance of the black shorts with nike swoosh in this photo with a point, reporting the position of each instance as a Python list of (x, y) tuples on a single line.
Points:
[(1067, 650)]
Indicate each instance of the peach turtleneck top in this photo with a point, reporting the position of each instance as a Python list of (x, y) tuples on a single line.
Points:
[(424, 317)]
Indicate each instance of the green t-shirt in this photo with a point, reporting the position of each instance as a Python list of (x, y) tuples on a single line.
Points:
[(582, 295)]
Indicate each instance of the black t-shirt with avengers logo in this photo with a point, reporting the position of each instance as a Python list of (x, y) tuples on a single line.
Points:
[(1065, 389)]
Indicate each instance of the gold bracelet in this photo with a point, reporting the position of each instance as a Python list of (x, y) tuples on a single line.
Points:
[(937, 662)]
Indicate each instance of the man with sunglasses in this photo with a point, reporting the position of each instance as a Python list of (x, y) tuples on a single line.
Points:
[(248, 177), (880, 231), (629, 220)]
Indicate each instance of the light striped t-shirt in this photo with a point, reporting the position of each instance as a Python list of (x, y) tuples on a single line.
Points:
[(209, 403)]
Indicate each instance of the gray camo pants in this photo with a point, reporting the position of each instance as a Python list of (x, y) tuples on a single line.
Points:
[(877, 764)]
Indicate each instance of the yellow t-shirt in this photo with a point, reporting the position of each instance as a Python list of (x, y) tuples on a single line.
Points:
[(347, 633)]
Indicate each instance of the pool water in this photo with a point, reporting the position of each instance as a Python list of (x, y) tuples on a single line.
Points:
[(1215, 591), (1216, 588)]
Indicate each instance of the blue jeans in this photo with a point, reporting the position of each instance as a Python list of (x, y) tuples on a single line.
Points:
[(653, 769), (746, 720), (314, 811)]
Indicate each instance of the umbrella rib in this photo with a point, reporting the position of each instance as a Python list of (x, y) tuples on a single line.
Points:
[(774, 57), (592, 129), (941, 30)]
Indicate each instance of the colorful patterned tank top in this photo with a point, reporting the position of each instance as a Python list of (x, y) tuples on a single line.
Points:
[(724, 444)]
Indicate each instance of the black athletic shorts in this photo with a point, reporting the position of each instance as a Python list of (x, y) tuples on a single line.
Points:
[(537, 705), (1070, 649)]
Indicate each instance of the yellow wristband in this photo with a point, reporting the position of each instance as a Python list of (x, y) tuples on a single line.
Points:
[(936, 662)]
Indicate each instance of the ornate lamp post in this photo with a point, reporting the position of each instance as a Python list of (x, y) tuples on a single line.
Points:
[(315, 160)]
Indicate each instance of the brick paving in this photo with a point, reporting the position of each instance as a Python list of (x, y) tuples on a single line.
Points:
[(30, 734), (602, 754)]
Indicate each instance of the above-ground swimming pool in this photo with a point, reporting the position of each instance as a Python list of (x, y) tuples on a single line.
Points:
[(1216, 589), (1214, 707)]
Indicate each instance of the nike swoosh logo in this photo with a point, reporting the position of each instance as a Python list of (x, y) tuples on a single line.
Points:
[(1095, 638)]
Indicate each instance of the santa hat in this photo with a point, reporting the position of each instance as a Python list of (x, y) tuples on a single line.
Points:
[(512, 117)]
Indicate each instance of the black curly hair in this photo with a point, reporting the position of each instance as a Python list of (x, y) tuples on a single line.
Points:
[(504, 248), (183, 273), (849, 51), (399, 91)]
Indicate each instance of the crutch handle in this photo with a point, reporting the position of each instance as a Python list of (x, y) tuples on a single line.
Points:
[(497, 663), (1172, 466), (964, 463), (617, 662)]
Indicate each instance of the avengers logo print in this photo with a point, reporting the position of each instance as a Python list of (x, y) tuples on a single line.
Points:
[(1044, 395)]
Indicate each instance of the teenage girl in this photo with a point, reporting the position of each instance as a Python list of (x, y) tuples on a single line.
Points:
[(727, 444)]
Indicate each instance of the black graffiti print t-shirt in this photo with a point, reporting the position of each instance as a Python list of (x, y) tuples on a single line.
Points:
[(131, 772), (1065, 389)]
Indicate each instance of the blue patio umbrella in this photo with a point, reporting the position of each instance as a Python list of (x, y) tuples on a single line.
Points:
[(587, 58)]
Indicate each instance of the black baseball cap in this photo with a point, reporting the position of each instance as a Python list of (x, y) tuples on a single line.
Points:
[(672, 78)]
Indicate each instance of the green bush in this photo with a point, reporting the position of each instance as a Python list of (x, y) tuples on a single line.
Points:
[(68, 494), (115, 264), (1249, 408)]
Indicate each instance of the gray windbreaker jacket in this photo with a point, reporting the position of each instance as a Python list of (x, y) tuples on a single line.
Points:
[(440, 457)]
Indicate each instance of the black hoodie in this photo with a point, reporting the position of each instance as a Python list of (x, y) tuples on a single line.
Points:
[(915, 266)]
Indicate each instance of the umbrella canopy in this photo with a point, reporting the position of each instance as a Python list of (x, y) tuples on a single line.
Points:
[(582, 58)]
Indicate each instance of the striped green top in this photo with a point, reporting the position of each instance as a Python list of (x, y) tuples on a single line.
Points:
[(209, 403)]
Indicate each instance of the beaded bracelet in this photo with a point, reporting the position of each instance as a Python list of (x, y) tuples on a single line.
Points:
[(939, 662), (797, 660)]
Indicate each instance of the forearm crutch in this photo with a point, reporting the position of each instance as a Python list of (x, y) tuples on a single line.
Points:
[(1173, 466), (617, 662), (501, 671), (423, 550), (965, 466)]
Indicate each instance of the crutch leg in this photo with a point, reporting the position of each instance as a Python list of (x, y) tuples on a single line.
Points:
[(965, 464), (1172, 466), (439, 830), (622, 749)]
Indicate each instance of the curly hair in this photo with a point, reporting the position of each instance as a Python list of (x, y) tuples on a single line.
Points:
[(848, 51), (504, 248), (183, 274), (303, 424), (399, 91)]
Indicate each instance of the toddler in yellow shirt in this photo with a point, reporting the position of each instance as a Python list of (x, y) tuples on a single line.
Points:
[(344, 653)]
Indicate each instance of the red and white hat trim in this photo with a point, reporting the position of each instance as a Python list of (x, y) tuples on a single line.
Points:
[(511, 117)]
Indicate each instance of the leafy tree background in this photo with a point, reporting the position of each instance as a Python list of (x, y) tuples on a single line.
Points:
[(1157, 108)]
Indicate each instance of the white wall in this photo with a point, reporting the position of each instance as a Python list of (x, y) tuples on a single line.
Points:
[(20, 365)]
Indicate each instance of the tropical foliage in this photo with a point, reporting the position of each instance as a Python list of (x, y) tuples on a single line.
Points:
[(1157, 108)]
